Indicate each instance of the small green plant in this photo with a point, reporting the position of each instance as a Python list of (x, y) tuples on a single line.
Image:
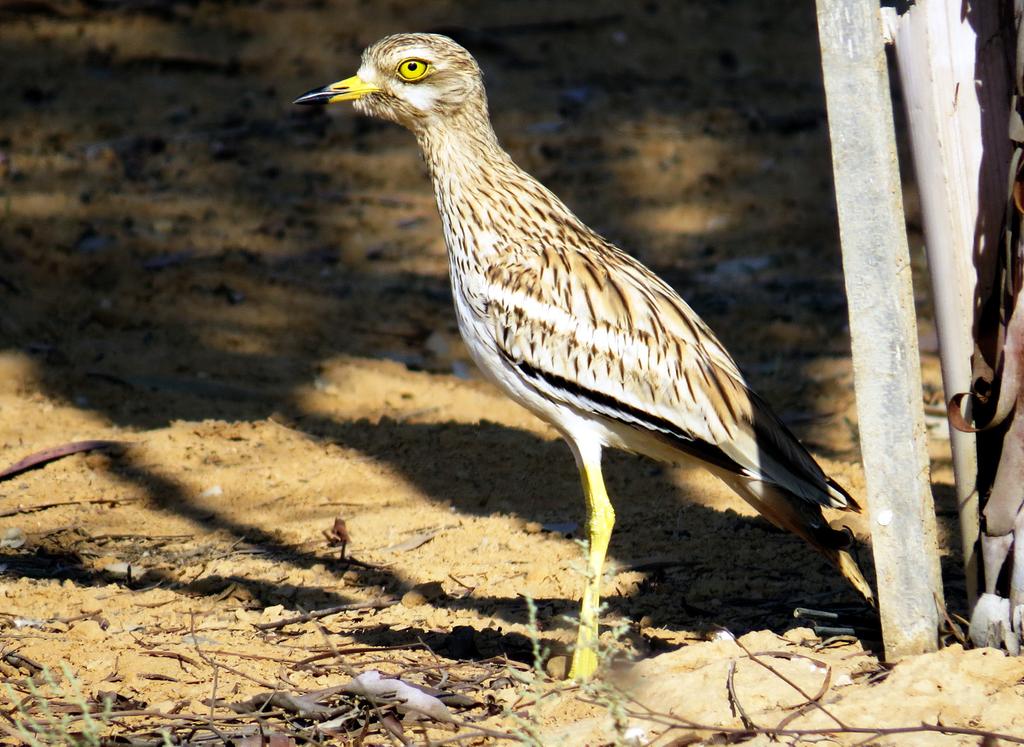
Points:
[(528, 726), (540, 653), (600, 689), (39, 725), (603, 690)]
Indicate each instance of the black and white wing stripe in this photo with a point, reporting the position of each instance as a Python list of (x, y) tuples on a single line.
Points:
[(603, 334)]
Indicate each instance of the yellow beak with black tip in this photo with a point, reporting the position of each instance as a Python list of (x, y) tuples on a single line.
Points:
[(344, 90)]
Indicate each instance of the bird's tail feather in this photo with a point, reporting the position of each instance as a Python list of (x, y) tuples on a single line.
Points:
[(847, 566), (792, 513)]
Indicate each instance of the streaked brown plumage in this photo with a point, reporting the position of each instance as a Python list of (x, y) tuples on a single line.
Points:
[(576, 330)]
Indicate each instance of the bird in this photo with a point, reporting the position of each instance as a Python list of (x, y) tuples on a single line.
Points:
[(576, 330)]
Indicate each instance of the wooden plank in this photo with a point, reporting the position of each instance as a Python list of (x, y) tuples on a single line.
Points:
[(883, 326)]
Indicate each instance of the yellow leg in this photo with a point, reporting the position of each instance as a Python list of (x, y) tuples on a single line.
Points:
[(600, 520)]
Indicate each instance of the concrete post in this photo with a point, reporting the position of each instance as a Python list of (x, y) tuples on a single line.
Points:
[(883, 326)]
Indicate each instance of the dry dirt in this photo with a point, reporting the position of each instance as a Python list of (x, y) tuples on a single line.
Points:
[(253, 298)]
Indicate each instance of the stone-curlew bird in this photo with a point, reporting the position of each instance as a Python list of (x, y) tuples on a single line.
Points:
[(576, 330)]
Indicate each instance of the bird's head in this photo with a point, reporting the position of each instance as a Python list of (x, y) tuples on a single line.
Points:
[(416, 80)]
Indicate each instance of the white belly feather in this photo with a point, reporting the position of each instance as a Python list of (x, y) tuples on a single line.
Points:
[(468, 293)]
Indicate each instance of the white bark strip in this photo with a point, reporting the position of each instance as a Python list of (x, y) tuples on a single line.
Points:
[(952, 74), (887, 373)]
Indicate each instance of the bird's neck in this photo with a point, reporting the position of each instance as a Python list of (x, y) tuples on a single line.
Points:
[(487, 202), (463, 155)]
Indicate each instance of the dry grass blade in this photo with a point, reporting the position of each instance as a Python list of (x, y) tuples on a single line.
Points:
[(325, 612), (417, 540)]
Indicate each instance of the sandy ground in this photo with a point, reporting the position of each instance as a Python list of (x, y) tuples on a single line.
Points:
[(253, 298)]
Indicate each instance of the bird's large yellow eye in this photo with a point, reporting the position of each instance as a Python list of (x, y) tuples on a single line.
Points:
[(412, 69)]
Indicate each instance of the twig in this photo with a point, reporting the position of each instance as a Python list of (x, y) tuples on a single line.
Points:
[(156, 538), (394, 727), (54, 504), (254, 657), (954, 629), (377, 708), (200, 718), (813, 700), (18, 660), (469, 589), (734, 699), (376, 604), (182, 659), (46, 456), (875, 731), (10, 731), (215, 665), (480, 733), (678, 723), (417, 540), (354, 650)]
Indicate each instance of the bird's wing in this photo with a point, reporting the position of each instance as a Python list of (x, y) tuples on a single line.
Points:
[(600, 332)]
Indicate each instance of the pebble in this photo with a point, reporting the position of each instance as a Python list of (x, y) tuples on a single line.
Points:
[(422, 593), (97, 460), (119, 569), (801, 636), (413, 598), (239, 593), (165, 706), (88, 630), (13, 538), (923, 687), (273, 611), (533, 527), (557, 667)]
